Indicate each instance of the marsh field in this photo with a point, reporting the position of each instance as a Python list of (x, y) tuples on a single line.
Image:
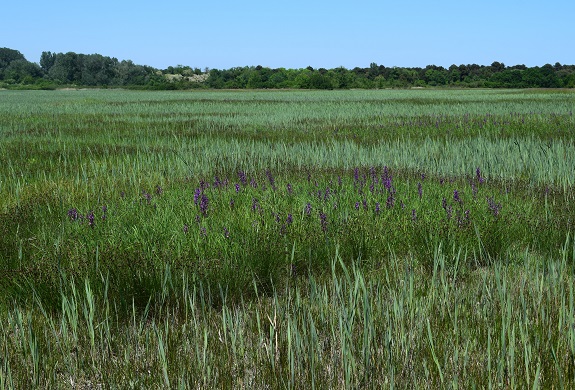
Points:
[(287, 239)]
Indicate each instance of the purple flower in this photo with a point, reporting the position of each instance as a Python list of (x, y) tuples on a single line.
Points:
[(390, 202), (226, 233), (323, 220), (186, 228), (203, 232), (73, 214), (159, 190), (276, 217), (147, 197), (449, 211), (104, 210), (495, 208), (91, 219), (197, 194), (255, 204), (271, 179), (420, 190), (204, 203), (122, 194), (289, 219), (357, 205), (237, 188), (289, 188), (377, 208), (242, 177), (456, 196), (474, 190), (413, 215), (253, 183), (232, 203), (308, 209), (387, 183), (479, 177)]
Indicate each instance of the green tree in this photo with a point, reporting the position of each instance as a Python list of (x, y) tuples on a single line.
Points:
[(47, 60), (22, 71)]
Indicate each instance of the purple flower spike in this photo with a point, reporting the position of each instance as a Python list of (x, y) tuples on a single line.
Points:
[(242, 177), (204, 202), (91, 219), (186, 228), (159, 190), (308, 209), (289, 188), (413, 215), (271, 180), (289, 219), (73, 214), (479, 177), (495, 208), (390, 202), (237, 188), (419, 190), (456, 196), (357, 205), (449, 211), (377, 208), (387, 183), (323, 220), (197, 194), (226, 233), (147, 197)]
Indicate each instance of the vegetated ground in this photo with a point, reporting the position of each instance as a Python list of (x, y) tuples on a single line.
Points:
[(417, 238)]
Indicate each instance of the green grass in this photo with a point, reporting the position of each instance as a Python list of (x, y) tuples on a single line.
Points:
[(317, 261)]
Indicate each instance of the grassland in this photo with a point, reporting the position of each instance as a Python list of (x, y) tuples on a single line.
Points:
[(341, 239)]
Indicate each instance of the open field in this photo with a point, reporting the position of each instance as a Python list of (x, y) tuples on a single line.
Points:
[(339, 239)]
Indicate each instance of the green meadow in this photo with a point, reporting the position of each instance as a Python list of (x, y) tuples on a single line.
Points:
[(287, 239)]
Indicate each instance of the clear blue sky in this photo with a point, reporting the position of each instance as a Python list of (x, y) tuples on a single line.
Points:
[(223, 34)]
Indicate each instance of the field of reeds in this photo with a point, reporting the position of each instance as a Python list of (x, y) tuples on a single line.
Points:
[(287, 239)]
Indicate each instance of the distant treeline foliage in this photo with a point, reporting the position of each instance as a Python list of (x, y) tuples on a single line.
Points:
[(95, 70)]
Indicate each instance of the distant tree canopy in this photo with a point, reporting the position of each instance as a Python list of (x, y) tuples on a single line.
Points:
[(96, 70)]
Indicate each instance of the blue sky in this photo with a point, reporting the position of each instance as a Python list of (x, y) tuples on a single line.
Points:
[(295, 34)]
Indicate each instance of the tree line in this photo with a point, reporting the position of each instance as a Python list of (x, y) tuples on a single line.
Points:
[(95, 70)]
